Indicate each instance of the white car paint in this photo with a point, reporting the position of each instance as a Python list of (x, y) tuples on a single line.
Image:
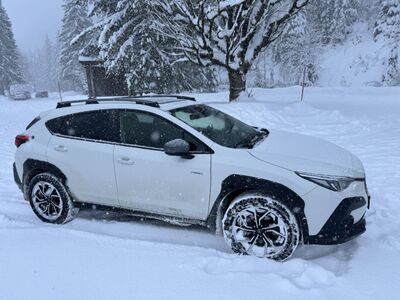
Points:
[(151, 181), (88, 166), (174, 186), (307, 154)]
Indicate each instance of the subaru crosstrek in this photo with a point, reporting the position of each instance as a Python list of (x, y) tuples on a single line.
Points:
[(172, 158)]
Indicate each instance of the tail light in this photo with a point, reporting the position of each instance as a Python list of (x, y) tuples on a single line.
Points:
[(21, 139)]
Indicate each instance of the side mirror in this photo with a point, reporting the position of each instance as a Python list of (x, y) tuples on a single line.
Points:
[(178, 147)]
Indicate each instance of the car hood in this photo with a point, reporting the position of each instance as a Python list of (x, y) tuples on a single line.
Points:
[(307, 154)]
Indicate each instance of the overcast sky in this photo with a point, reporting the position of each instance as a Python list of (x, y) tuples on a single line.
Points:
[(33, 19)]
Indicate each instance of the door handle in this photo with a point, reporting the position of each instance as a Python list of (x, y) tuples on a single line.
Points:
[(126, 161), (61, 148)]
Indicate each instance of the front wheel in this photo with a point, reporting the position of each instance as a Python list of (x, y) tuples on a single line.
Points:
[(261, 226), (50, 200)]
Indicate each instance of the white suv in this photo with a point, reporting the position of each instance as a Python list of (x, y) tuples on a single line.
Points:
[(172, 158)]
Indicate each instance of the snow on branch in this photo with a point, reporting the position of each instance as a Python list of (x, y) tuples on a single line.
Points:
[(228, 33)]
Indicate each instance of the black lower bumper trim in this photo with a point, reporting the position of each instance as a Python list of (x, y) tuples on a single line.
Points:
[(16, 177), (340, 227)]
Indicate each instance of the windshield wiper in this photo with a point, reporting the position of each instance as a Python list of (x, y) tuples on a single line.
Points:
[(262, 134)]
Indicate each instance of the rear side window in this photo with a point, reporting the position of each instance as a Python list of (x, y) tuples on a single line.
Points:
[(54, 125), (34, 121), (95, 125)]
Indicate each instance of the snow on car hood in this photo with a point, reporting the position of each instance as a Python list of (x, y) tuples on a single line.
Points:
[(307, 154)]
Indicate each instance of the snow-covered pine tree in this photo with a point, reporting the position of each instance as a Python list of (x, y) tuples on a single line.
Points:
[(41, 66), (285, 61), (387, 28), (295, 51), (75, 20), (262, 72), (332, 19), (127, 40), (10, 69), (46, 61), (229, 34), (368, 12)]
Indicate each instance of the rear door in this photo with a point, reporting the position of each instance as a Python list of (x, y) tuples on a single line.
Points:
[(151, 181), (82, 147)]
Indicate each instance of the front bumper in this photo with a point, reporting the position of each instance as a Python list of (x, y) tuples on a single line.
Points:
[(340, 227)]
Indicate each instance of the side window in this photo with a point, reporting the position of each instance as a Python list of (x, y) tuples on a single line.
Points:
[(54, 125), (145, 129), (95, 125)]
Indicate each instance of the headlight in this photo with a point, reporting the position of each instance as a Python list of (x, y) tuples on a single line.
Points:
[(334, 183)]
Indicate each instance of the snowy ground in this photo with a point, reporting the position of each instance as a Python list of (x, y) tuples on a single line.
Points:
[(114, 256)]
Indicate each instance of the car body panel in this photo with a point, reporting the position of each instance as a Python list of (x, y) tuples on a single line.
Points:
[(189, 188), (151, 181), (302, 153), (320, 203), (94, 180)]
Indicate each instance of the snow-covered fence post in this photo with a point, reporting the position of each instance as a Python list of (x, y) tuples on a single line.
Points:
[(229, 33), (303, 83), (60, 91)]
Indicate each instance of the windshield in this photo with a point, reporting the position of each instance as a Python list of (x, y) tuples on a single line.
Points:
[(219, 127)]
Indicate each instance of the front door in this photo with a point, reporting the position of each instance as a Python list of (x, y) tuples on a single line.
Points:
[(151, 181)]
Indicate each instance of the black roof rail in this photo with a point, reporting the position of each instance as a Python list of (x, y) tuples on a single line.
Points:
[(179, 97), (68, 103), (142, 100)]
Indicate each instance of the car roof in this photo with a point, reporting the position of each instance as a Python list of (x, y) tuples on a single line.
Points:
[(151, 100), (162, 102)]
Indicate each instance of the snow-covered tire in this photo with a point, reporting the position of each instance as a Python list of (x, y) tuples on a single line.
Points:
[(259, 225), (50, 200)]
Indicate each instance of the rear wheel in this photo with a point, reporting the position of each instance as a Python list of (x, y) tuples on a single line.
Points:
[(261, 226), (50, 200)]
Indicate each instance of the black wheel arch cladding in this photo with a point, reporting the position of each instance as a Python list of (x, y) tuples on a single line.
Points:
[(34, 167), (67, 210), (235, 184), (231, 187)]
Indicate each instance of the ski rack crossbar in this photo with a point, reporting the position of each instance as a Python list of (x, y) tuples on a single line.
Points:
[(142, 100)]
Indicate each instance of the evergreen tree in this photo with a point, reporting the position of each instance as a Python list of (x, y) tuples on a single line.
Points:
[(10, 69), (47, 65), (128, 41), (332, 19), (41, 66), (387, 29), (295, 51), (75, 21)]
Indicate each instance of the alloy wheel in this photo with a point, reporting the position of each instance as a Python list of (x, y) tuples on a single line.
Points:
[(260, 231), (47, 200)]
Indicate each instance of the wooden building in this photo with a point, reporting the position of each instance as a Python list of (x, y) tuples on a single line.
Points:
[(99, 83)]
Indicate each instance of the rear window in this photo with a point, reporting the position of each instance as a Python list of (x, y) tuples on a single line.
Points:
[(94, 125), (34, 121)]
